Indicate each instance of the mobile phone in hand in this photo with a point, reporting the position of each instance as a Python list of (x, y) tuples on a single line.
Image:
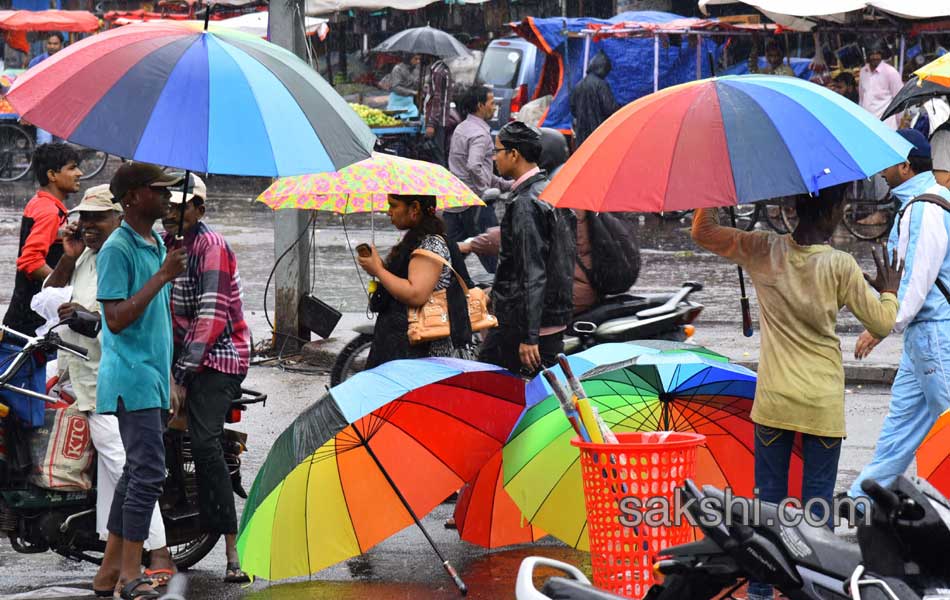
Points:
[(364, 250)]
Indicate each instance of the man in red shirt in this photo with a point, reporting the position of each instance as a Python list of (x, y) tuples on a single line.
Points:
[(57, 171)]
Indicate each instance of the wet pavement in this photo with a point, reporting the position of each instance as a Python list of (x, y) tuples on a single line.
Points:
[(403, 566)]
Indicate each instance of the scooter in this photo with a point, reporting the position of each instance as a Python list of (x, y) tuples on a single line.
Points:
[(894, 559), (37, 520), (623, 318)]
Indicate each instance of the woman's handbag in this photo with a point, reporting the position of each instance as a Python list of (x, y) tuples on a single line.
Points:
[(430, 321)]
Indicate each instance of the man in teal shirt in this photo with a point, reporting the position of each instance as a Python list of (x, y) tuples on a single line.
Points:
[(134, 271)]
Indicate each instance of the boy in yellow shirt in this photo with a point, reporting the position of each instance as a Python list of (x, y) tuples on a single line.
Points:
[(802, 283)]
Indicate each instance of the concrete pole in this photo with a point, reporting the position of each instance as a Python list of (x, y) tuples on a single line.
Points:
[(586, 53), (292, 275), (656, 62), (699, 56)]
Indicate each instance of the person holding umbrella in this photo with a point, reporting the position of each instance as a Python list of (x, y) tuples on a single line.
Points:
[(802, 283), (133, 273), (212, 352)]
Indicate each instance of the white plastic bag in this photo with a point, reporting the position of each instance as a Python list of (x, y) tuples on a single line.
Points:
[(46, 304)]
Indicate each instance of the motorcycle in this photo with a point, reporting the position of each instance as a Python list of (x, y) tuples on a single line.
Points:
[(623, 318), (894, 558), (37, 520)]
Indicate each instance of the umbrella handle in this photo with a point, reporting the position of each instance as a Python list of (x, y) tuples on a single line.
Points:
[(746, 317), (463, 589)]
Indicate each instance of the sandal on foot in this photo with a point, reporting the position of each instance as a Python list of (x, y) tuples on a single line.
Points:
[(109, 593), (450, 524), (131, 592), (159, 577), (234, 574)]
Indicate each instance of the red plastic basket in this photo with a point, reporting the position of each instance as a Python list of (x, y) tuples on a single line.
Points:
[(645, 466)]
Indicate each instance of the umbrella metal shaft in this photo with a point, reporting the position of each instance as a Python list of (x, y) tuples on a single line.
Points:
[(445, 563)]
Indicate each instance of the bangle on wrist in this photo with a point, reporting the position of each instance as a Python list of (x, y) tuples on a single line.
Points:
[(889, 292)]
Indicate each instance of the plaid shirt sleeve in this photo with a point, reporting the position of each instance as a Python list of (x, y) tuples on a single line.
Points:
[(437, 108), (214, 275)]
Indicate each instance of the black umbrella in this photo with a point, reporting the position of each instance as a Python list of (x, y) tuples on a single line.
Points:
[(424, 40), (912, 94)]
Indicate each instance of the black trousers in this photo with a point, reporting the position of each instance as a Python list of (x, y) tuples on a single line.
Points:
[(501, 348), (209, 399)]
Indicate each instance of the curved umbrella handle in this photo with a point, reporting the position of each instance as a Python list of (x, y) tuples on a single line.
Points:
[(746, 317)]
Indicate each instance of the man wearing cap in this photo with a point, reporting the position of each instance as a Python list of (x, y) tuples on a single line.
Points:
[(533, 290), (134, 271), (212, 351), (921, 389), (98, 218)]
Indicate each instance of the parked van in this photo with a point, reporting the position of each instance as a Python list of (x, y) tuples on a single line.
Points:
[(512, 67)]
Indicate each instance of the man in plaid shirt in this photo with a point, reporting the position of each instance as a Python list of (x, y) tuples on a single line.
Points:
[(212, 350), (436, 106)]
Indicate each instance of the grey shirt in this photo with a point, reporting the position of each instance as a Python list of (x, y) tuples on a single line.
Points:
[(471, 157)]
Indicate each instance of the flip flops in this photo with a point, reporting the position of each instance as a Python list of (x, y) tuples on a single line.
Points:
[(234, 574), (159, 577), (131, 591)]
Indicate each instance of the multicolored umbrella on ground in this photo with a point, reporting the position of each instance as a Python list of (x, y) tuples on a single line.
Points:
[(937, 71), (214, 101), (721, 142), (933, 456), (652, 392), (365, 186), (487, 516), (370, 458)]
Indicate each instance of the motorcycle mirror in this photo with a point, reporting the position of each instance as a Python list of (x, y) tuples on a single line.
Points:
[(84, 323)]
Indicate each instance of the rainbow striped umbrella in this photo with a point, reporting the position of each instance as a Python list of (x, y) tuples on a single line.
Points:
[(365, 186), (212, 101)]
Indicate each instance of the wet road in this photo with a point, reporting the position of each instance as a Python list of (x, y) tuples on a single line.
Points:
[(403, 566)]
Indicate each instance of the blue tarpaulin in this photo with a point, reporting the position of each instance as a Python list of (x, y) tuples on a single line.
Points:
[(631, 57), (799, 65)]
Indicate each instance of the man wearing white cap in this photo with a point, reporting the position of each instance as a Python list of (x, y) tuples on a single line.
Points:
[(98, 218), (212, 351)]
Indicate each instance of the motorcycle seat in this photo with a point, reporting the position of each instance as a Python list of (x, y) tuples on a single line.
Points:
[(816, 548), (612, 308)]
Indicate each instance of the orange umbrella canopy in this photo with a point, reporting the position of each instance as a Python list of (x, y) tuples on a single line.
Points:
[(933, 456)]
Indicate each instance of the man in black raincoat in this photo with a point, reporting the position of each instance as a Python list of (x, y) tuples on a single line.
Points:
[(592, 101)]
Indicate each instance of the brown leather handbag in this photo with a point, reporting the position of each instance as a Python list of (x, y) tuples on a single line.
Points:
[(430, 321)]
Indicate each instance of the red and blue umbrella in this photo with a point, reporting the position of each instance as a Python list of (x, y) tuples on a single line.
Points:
[(213, 101), (721, 142)]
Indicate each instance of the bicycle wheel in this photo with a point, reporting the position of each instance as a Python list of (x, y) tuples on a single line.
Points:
[(16, 152), (747, 215), (772, 211), (91, 162), (868, 219), (789, 218), (674, 215)]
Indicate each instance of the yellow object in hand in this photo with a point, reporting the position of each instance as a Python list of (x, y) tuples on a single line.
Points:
[(372, 286)]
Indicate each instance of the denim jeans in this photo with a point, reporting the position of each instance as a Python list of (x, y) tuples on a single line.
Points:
[(143, 476), (920, 393), (773, 454)]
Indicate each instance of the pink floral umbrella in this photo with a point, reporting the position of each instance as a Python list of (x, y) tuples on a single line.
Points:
[(364, 186)]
